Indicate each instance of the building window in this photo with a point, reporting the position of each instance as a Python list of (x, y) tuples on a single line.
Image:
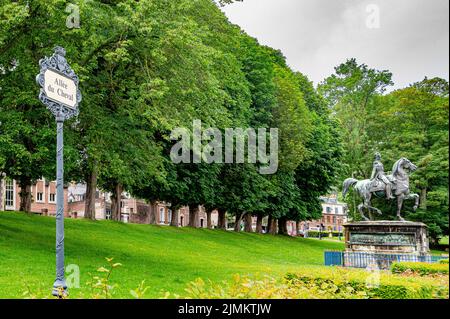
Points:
[(162, 217), (9, 194), (336, 210), (108, 214), (169, 215), (131, 210), (40, 197), (334, 219), (328, 210), (52, 198), (202, 222)]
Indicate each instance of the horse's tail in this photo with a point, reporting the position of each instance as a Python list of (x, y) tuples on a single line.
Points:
[(347, 184)]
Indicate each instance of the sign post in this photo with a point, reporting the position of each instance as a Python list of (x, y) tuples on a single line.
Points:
[(60, 93)]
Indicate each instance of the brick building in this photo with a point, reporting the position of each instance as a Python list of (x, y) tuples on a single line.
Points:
[(334, 216), (133, 210), (139, 212), (77, 200), (43, 197)]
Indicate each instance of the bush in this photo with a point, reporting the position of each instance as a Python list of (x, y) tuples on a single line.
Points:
[(321, 283), (376, 285), (443, 261), (316, 234), (263, 287), (422, 269)]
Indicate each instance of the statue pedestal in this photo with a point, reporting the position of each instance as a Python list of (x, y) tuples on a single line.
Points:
[(384, 242)]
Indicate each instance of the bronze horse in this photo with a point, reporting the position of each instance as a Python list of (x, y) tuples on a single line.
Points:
[(400, 181)]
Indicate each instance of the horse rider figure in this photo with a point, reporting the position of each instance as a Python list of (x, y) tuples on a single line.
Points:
[(379, 175)]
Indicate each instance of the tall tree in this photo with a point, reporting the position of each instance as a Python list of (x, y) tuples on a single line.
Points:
[(349, 92), (413, 123)]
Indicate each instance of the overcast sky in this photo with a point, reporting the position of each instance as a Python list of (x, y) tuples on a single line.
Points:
[(410, 38)]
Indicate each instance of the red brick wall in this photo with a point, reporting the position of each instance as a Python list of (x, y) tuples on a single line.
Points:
[(45, 206)]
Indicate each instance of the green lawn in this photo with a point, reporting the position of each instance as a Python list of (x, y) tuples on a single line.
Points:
[(167, 258)]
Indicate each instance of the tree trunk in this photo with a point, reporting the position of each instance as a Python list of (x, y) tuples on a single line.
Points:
[(116, 200), (175, 214), (153, 213), (297, 228), (209, 219), (193, 215), (1, 191), (25, 196), (423, 199), (91, 190), (282, 226), (238, 220), (269, 225), (272, 226), (222, 222), (259, 224), (248, 221)]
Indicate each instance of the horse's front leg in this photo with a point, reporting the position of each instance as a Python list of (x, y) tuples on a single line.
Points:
[(370, 207), (416, 197), (400, 200), (361, 211)]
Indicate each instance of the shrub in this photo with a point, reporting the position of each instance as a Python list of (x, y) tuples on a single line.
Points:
[(443, 261), (264, 287), (321, 283), (324, 234), (101, 286), (376, 285), (422, 269)]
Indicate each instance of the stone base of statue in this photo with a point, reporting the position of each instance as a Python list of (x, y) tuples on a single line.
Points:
[(380, 243)]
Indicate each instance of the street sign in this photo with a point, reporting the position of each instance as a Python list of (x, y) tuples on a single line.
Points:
[(60, 93), (60, 88), (59, 85)]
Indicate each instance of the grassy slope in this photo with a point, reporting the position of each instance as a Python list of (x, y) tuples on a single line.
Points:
[(167, 258)]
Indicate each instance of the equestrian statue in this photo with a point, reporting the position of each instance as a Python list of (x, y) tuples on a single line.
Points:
[(394, 186)]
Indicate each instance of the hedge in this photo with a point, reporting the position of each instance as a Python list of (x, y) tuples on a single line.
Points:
[(371, 285), (422, 269), (321, 283), (316, 234)]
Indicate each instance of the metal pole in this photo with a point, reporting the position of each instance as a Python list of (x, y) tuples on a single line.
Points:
[(59, 287)]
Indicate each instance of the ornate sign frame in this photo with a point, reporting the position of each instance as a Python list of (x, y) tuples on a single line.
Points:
[(58, 63)]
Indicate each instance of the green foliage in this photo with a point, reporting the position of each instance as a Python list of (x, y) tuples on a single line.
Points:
[(323, 234), (350, 92), (423, 269), (139, 292), (319, 283), (410, 122), (322, 166), (413, 123), (385, 286), (263, 287), (101, 286)]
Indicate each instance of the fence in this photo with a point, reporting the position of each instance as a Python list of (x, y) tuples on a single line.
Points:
[(382, 261)]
